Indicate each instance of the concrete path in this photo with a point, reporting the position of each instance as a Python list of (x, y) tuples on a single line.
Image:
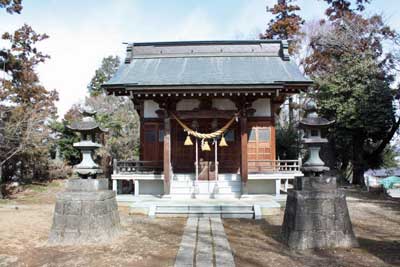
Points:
[(204, 244)]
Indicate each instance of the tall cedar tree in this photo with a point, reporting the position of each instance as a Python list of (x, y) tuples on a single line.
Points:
[(354, 75), (11, 6), (29, 105), (286, 24), (342, 8)]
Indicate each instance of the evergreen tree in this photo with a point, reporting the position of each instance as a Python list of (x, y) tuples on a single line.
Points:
[(354, 79), (109, 66)]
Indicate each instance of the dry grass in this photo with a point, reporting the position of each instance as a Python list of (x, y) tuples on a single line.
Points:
[(25, 225), (26, 219), (376, 221)]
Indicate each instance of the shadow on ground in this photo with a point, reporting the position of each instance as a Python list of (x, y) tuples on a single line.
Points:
[(375, 220)]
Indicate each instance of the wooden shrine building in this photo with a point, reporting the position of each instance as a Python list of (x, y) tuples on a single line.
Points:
[(207, 117)]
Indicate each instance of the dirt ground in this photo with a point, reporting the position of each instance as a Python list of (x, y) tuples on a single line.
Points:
[(26, 219), (376, 222)]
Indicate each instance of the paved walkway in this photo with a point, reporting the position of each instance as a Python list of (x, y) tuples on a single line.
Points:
[(204, 244)]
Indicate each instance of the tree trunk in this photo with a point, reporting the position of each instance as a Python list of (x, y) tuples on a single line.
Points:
[(358, 160), (1, 182)]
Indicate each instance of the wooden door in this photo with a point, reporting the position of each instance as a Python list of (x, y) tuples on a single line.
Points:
[(229, 156), (182, 157), (261, 146), (153, 137)]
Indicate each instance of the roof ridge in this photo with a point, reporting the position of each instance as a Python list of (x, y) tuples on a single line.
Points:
[(205, 42)]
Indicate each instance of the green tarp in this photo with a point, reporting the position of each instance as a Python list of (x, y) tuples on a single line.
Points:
[(390, 181)]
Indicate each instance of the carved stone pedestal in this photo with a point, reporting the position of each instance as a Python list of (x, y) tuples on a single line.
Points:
[(86, 212), (316, 215)]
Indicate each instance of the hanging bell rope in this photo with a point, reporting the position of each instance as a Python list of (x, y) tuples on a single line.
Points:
[(205, 135)]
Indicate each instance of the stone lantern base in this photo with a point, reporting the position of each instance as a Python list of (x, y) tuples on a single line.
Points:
[(316, 215), (86, 212)]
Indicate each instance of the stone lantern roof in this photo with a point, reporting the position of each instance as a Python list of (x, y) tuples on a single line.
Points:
[(88, 124), (312, 120)]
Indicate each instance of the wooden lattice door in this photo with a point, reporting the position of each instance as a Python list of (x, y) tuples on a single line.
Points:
[(261, 146)]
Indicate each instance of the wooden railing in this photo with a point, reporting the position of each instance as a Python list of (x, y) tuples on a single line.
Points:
[(254, 166), (266, 166), (137, 166)]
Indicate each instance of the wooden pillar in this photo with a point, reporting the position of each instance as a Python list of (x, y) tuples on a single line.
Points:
[(243, 153), (167, 154)]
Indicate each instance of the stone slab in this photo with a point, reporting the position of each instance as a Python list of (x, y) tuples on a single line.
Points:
[(257, 212), (87, 185), (321, 183), (186, 252), (204, 253), (222, 249), (88, 196)]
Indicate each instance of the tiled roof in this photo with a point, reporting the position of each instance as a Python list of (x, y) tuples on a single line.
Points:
[(258, 62)]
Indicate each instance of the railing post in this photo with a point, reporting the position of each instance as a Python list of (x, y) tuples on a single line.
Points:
[(114, 186), (300, 163), (115, 168), (136, 187)]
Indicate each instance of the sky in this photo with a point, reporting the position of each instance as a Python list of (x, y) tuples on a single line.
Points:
[(82, 32)]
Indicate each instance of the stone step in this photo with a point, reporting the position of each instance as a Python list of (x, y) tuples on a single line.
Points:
[(202, 190), (201, 187), (181, 196), (206, 184), (225, 211), (221, 177)]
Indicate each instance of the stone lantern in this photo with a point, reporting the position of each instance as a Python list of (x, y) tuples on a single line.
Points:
[(87, 211), (316, 213), (313, 126), (88, 128)]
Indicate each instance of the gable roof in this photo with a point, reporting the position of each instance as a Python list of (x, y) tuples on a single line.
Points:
[(204, 63)]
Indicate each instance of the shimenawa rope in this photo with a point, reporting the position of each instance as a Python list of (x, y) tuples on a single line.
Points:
[(205, 135)]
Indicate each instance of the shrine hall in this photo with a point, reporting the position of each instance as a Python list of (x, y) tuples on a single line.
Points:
[(208, 111)]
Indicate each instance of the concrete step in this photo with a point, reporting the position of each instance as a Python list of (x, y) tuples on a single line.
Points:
[(225, 211), (205, 190), (221, 177), (205, 187), (205, 196), (223, 182)]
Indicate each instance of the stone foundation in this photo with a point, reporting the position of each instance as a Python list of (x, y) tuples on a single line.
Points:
[(316, 215), (86, 212)]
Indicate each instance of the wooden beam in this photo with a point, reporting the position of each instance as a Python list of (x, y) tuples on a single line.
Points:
[(206, 114), (243, 152), (167, 154)]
